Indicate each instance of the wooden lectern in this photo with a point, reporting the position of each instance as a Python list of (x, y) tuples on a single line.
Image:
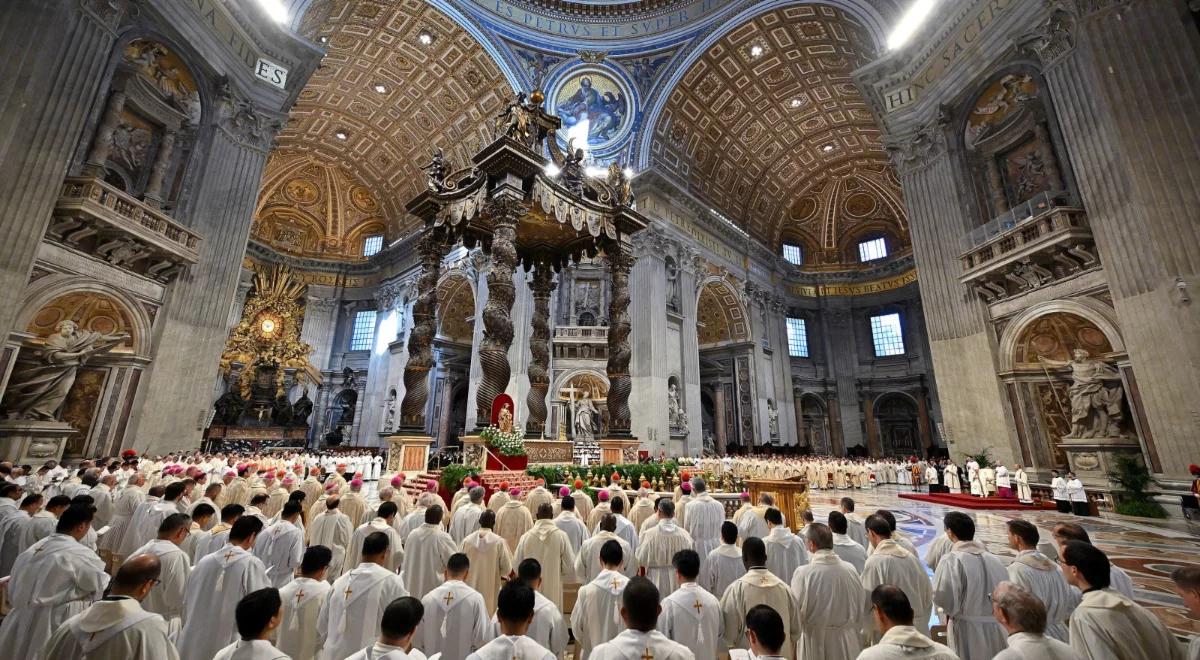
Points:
[(791, 497)]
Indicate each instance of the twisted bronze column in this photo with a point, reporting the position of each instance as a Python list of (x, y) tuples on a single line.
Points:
[(539, 350), (420, 338), (497, 313), (619, 383)]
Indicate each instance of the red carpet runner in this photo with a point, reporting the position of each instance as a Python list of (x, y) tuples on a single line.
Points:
[(971, 502)]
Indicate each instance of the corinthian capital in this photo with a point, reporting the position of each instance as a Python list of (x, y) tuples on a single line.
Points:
[(919, 148)]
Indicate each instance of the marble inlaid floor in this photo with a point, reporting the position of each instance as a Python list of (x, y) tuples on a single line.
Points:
[(1147, 550)]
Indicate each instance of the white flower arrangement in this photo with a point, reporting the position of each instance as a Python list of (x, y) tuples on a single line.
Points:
[(505, 444)]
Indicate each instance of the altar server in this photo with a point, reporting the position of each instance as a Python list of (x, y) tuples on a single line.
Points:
[(830, 601), (758, 586), (302, 598), (117, 628), (891, 564), (282, 547), (456, 618), (490, 559), (52, 581), (901, 641), (704, 518), (961, 585), (1107, 625), (429, 548), (596, 617), (214, 588), (785, 552), (550, 546), (383, 522), (723, 565), (332, 529), (514, 611), (350, 614), (1042, 577), (691, 615), (639, 640), (167, 596), (659, 545)]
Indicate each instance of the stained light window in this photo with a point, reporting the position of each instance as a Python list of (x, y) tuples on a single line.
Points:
[(793, 254), (886, 333), (372, 245), (873, 249), (364, 329), (797, 337)]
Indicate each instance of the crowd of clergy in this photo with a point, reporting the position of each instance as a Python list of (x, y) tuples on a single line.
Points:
[(206, 557)]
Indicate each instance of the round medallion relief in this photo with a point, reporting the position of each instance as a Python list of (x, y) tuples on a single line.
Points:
[(1093, 339), (860, 205), (302, 191), (1044, 344), (804, 208), (363, 200)]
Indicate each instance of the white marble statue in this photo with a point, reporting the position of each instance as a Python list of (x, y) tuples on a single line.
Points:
[(584, 414), (772, 419), (1095, 394), (38, 391)]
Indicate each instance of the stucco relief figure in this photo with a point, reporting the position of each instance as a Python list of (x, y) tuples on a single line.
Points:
[(772, 419), (1095, 394), (504, 420), (38, 391), (585, 418)]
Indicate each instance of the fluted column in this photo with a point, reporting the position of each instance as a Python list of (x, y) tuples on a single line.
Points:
[(620, 261), (420, 338), (506, 212), (53, 54), (158, 174), (102, 141), (539, 351)]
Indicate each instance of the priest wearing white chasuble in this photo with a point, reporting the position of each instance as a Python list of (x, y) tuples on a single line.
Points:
[(723, 566), (465, 518), (1041, 577), (785, 552), (704, 518), (639, 640), (214, 588), (52, 581), (332, 529), (587, 562), (691, 615), (757, 587), (117, 628), (659, 545), (396, 631), (281, 547), (166, 598), (596, 617), (514, 611), (830, 602), (456, 618), (568, 521), (550, 546), (1023, 617), (490, 560), (548, 627), (962, 584), (297, 634), (513, 520), (381, 523), (429, 548), (846, 548), (890, 564), (350, 614), (257, 615), (1107, 625), (901, 641)]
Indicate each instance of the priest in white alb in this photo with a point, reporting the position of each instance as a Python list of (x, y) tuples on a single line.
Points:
[(723, 566), (456, 617), (52, 581), (350, 614), (429, 548), (548, 627), (332, 529), (893, 616), (117, 627), (465, 518), (596, 617), (962, 586), (640, 640), (490, 559), (758, 586), (830, 602), (569, 522), (691, 615), (383, 522), (785, 552), (166, 598), (282, 547), (1042, 577), (587, 562), (891, 564), (659, 545), (214, 588), (302, 599), (550, 546), (513, 520), (704, 518), (514, 611)]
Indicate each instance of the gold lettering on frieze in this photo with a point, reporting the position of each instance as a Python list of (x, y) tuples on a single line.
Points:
[(854, 289)]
